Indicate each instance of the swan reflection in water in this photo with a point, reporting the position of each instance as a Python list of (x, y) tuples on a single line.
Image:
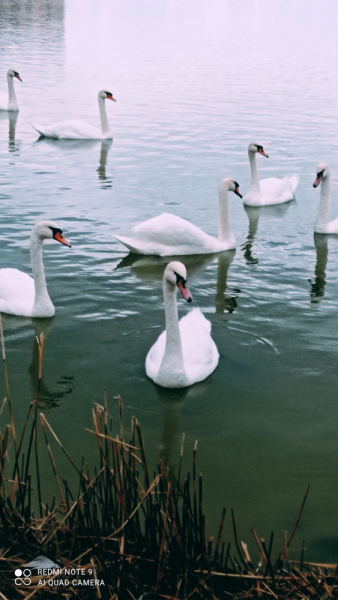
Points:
[(318, 285), (151, 268), (254, 213), (225, 303), (101, 170), (12, 116), (12, 326), (171, 401), (70, 145)]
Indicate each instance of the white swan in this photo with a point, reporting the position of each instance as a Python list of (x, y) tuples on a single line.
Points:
[(19, 293), (323, 223), (10, 102), (77, 130), (185, 353), (169, 235), (271, 190)]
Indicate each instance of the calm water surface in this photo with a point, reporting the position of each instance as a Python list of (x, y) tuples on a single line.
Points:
[(195, 82)]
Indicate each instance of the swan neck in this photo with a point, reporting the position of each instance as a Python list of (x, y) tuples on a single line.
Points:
[(103, 115), (224, 231), (255, 187), (42, 298), (12, 101), (173, 355), (323, 215)]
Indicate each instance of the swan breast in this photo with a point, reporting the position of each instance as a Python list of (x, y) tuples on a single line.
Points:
[(17, 292), (200, 354)]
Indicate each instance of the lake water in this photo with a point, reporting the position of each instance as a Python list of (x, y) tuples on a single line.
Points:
[(195, 82)]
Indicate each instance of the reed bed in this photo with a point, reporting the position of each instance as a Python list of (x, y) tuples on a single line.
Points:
[(139, 534)]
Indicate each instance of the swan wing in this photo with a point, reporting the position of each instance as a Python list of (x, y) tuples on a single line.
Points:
[(275, 191), (155, 356), (3, 101), (70, 130), (200, 354), (294, 180), (17, 292), (170, 229), (167, 235), (332, 227)]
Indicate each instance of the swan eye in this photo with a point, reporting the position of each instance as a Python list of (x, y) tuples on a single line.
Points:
[(180, 279), (55, 231)]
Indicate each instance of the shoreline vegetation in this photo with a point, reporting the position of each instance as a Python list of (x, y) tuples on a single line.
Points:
[(128, 534)]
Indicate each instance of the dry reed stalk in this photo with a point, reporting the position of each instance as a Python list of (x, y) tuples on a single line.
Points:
[(7, 383), (161, 563), (263, 555), (51, 458), (41, 344), (219, 536), (267, 553), (294, 529), (181, 459)]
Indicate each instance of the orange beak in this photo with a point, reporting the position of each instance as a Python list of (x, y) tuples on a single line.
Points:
[(264, 153), (111, 98), (18, 77), (184, 291), (59, 237), (317, 182), (238, 192)]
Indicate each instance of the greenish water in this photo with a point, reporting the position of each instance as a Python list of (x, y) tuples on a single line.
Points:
[(195, 82)]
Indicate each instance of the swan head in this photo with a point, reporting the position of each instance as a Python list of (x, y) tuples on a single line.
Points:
[(176, 274), (253, 147), (230, 185), (104, 95), (323, 170), (48, 230), (13, 73)]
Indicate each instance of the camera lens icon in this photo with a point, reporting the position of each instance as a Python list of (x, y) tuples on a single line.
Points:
[(22, 576)]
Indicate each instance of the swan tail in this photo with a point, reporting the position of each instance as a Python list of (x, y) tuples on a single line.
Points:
[(294, 180), (40, 132), (128, 242)]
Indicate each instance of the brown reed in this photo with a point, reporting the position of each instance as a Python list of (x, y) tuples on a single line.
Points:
[(144, 536)]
